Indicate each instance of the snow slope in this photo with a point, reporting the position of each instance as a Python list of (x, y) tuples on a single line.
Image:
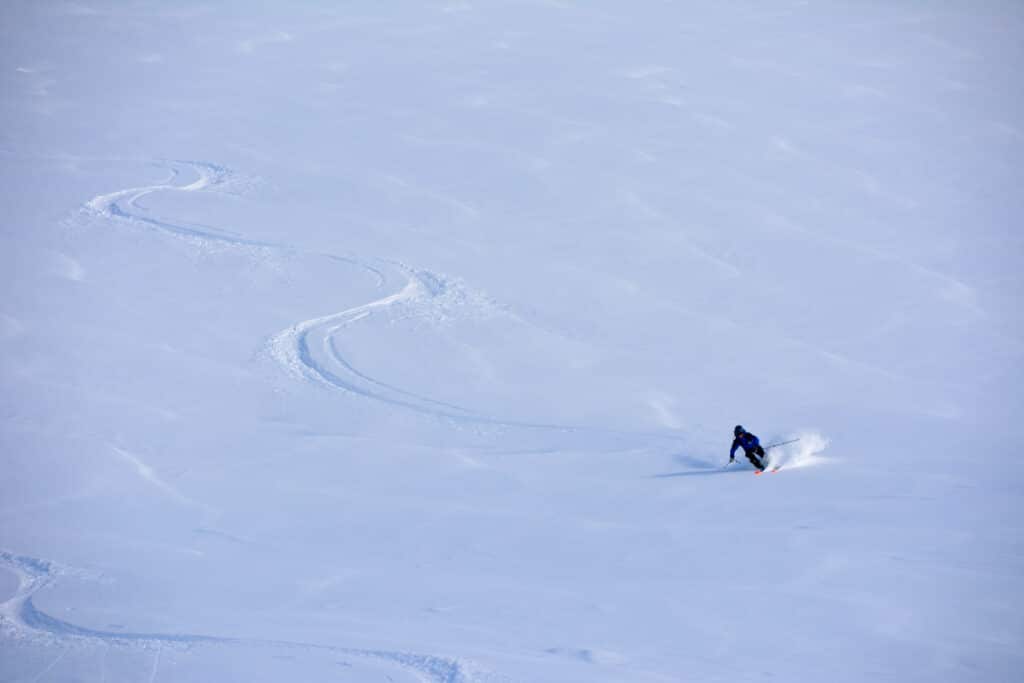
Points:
[(404, 341)]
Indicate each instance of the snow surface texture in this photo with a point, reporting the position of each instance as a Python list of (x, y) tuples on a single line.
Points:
[(404, 341)]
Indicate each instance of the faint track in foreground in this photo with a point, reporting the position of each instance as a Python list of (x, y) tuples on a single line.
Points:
[(21, 619)]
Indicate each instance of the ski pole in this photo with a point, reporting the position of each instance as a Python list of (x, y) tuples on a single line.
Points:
[(781, 443)]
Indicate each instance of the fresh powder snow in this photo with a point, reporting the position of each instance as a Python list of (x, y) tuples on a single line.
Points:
[(404, 341)]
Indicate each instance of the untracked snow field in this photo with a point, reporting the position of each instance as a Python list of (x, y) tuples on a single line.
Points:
[(404, 341)]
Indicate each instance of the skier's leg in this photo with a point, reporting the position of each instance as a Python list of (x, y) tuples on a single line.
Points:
[(752, 457)]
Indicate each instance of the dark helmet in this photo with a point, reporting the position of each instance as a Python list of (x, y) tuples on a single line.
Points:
[(738, 430)]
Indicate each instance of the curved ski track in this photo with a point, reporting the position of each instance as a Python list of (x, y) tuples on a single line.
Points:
[(309, 349), (294, 348), (21, 618), (124, 204), (299, 347)]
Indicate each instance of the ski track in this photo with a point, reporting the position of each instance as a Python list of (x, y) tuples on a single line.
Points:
[(293, 347), (309, 349), (298, 348), (20, 618), (124, 205)]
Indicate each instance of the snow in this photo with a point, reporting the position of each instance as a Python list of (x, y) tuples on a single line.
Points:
[(404, 341)]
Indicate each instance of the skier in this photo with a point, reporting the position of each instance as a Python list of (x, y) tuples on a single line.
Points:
[(751, 446)]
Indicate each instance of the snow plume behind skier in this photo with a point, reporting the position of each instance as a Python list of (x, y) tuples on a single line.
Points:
[(804, 452)]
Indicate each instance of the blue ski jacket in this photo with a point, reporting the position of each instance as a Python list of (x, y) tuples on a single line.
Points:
[(747, 441)]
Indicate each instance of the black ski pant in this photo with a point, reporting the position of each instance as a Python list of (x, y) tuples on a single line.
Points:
[(753, 456)]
